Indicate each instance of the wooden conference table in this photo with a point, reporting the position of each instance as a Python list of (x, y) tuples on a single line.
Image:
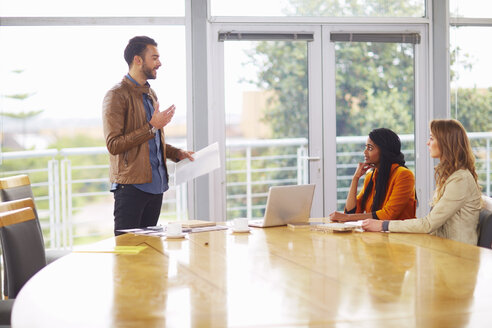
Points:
[(274, 277)]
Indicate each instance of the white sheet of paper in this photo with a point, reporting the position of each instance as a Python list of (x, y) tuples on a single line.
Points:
[(355, 223), (206, 160)]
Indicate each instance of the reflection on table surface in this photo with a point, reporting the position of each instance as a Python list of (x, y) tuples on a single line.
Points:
[(269, 277)]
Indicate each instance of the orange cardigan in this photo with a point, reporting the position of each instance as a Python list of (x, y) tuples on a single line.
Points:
[(399, 202)]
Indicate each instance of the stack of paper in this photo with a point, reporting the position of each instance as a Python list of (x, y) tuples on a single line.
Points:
[(205, 161)]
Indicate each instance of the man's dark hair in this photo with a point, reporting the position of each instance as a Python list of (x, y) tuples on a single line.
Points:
[(136, 47)]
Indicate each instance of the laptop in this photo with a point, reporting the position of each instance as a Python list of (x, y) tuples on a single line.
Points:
[(286, 204)]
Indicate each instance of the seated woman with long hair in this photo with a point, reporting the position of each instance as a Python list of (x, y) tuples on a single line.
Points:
[(457, 199), (389, 190)]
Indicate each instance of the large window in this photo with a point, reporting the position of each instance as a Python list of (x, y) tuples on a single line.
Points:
[(471, 83), (91, 8), (53, 79), (311, 8), (471, 93)]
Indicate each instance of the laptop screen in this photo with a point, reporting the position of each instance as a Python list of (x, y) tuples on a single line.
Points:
[(288, 204)]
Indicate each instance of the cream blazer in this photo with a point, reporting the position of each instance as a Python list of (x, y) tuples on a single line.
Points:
[(454, 216)]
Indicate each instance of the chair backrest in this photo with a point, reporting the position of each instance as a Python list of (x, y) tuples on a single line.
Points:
[(21, 203), (487, 202), (485, 228), (23, 247), (15, 187), (15, 205)]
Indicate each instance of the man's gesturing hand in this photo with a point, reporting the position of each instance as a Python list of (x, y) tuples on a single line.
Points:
[(161, 119)]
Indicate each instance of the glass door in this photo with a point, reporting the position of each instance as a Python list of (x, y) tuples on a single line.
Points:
[(373, 82), (272, 119)]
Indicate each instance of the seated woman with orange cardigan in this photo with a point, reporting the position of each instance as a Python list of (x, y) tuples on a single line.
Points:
[(389, 190)]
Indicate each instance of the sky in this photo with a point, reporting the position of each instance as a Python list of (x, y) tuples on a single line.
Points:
[(68, 70)]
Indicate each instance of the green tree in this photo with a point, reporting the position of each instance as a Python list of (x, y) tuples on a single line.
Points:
[(473, 108), (282, 69), (374, 78), (22, 115)]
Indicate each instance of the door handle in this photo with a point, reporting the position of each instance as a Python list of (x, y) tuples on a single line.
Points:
[(311, 158)]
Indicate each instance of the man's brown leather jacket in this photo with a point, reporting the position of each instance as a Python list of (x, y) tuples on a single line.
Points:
[(127, 132)]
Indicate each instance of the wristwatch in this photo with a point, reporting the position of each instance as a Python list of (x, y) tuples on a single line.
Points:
[(152, 130), (385, 226)]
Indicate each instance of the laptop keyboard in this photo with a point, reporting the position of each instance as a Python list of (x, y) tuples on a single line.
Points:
[(256, 222)]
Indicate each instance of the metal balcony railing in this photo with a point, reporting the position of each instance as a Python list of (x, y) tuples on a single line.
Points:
[(68, 182)]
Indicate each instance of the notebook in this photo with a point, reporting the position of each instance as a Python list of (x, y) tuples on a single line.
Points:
[(286, 204), (196, 223)]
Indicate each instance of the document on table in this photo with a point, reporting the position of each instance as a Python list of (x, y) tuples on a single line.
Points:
[(115, 249), (211, 228), (206, 160), (357, 224)]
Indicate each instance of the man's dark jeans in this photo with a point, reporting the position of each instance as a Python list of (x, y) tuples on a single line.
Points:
[(134, 208)]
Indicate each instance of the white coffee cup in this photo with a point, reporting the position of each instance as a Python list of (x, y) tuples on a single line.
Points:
[(240, 224), (174, 229)]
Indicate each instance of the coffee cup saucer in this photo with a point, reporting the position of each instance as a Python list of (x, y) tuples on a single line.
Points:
[(235, 230), (181, 235)]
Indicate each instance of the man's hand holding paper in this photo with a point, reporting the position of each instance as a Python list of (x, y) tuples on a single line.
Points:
[(205, 161)]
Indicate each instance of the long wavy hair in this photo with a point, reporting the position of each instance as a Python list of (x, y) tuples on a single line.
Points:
[(456, 152), (389, 146)]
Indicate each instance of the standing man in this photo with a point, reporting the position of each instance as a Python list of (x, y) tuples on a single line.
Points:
[(133, 128)]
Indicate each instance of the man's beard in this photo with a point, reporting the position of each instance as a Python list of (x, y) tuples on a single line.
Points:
[(149, 73)]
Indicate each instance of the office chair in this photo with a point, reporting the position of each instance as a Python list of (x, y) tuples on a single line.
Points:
[(5, 312), (487, 202), (15, 187), (12, 188), (51, 255), (10, 206), (19, 187), (23, 248), (485, 228)]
